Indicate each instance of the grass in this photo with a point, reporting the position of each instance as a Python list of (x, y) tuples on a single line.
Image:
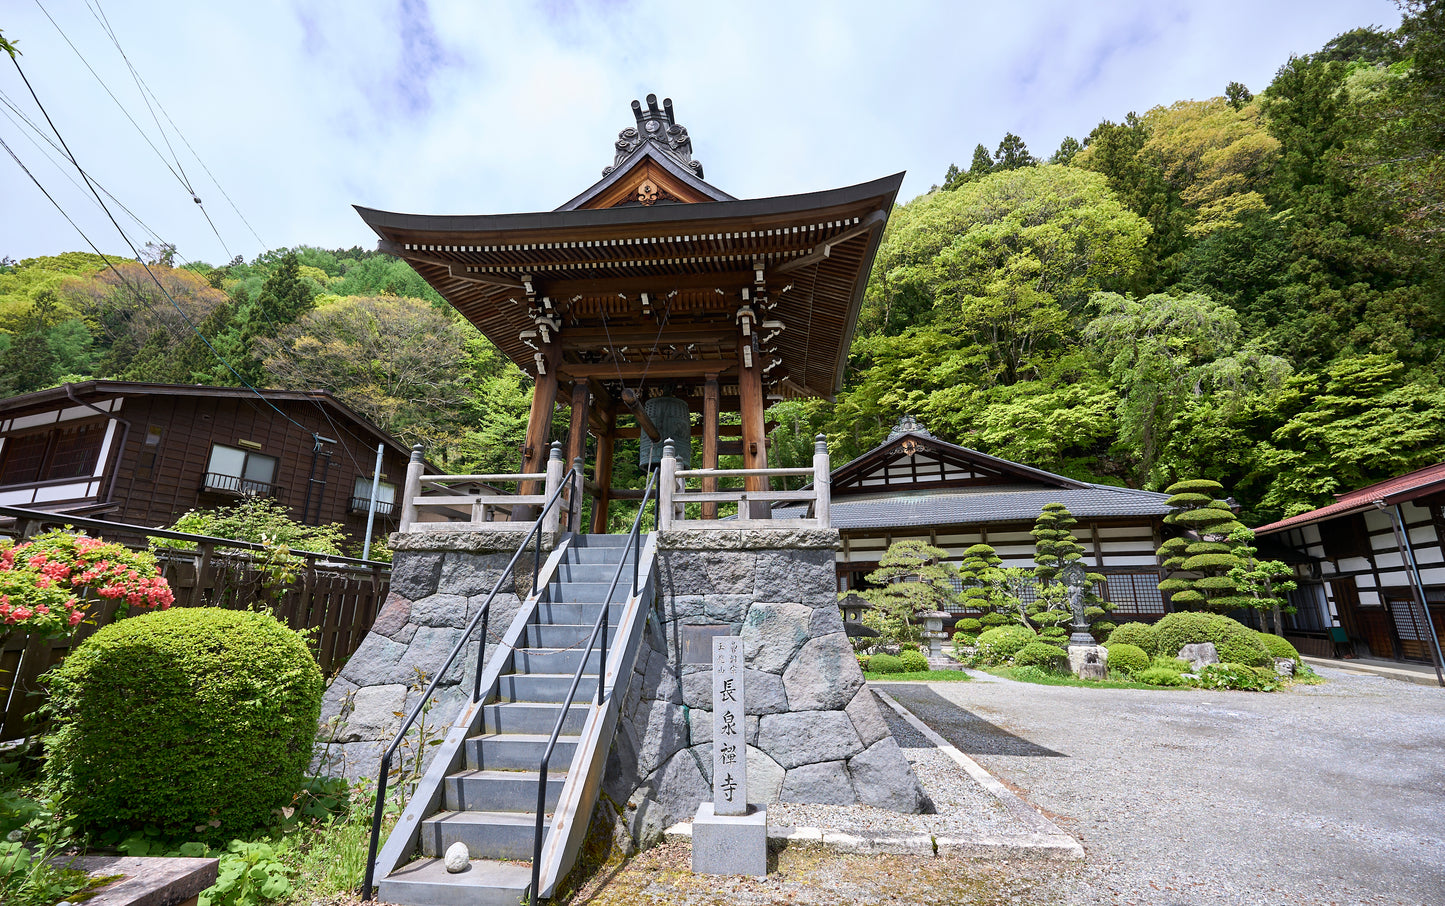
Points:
[(919, 676), (1055, 679)]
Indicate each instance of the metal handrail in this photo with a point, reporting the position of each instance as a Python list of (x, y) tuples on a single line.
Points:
[(634, 538), (481, 618)]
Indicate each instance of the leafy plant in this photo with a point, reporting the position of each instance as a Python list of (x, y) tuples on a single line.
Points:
[(1238, 676), (913, 661), (1160, 676), (1001, 643), (1235, 642), (912, 578), (1137, 634), (1128, 658), (1279, 647), (250, 874), (1040, 654), (885, 663)]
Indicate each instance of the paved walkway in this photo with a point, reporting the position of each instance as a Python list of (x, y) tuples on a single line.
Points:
[(1325, 794), (1419, 674)]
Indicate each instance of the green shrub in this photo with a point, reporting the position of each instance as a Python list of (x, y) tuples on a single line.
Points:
[(969, 625), (1279, 647), (190, 720), (885, 663), (994, 619), (1235, 642), (908, 646), (1238, 676), (1054, 635), (1126, 657), (914, 661), (1031, 674), (1159, 676), (1140, 635), (1003, 642), (1040, 654), (1173, 664)]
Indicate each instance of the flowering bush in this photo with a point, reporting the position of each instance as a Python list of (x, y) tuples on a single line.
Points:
[(44, 582)]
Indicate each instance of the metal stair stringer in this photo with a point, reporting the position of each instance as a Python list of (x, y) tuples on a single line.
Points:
[(426, 799), (573, 813)]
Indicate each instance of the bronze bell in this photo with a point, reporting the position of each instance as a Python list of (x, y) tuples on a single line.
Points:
[(673, 421)]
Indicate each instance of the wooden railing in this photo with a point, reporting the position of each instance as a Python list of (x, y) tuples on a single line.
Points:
[(754, 506), (333, 599), (491, 511)]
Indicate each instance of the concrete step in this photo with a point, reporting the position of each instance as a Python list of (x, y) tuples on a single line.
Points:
[(557, 660), (562, 635), (572, 612), (589, 592), (592, 572), (517, 751), (488, 835), (594, 542), (426, 882), (500, 791), (530, 717), (544, 687)]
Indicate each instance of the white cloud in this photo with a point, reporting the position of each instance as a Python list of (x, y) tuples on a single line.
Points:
[(301, 110)]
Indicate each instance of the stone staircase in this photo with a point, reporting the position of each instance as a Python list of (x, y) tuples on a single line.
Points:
[(487, 795)]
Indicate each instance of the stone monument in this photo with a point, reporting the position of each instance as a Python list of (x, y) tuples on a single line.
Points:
[(729, 836), (1086, 659)]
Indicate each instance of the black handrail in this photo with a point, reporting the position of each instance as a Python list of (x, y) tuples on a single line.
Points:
[(634, 538), (481, 618)]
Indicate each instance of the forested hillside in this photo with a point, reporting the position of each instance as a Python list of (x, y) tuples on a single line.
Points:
[(1248, 288)]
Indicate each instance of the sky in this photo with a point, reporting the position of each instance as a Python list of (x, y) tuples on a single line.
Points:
[(280, 115)]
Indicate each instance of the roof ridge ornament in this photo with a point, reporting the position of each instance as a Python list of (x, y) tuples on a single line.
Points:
[(659, 126), (908, 424)]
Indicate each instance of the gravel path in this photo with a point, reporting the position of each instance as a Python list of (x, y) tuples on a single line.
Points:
[(964, 809), (1322, 794)]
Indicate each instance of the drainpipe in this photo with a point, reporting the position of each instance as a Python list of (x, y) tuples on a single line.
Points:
[(124, 436), (1402, 538)]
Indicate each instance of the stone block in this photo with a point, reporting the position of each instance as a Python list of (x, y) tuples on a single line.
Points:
[(708, 572), (726, 608), (883, 778), (765, 776), (414, 574), (373, 714), (808, 737), (804, 576), (867, 719), (763, 693), (826, 619), (395, 614), (470, 573), (791, 539), (684, 608), (660, 731), (699, 724), (374, 662), (730, 844), (1089, 661), (1200, 654), (773, 632), (824, 675), (824, 783), (697, 689), (440, 610), (659, 681)]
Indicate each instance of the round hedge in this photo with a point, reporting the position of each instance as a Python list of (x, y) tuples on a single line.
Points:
[(1235, 642), (1128, 658), (197, 721), (1278, 646), (885, 663), (914, 661), (970, 625), (1040, 654), (1140, 635), (1003, 642)]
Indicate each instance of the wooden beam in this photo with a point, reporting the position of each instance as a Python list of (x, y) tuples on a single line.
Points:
[(629, 370), (643, 421), (394, 248), (575, 338), (662, 283), (710, 396), (822, 250), (751, 403), (602, 476), (631, 432), (539, 429)]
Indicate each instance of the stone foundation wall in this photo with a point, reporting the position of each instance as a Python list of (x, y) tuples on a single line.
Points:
[(438, 582), (814, 733)]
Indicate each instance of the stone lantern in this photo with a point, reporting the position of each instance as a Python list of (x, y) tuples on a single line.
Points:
[(933, 632)]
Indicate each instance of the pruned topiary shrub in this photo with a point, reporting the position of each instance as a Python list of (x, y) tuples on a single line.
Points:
[(970, 625), (885, 663), (1003, 642), (195, 721), (914, 661), (1041, 654), (1235, 642), (994, 619), (1128, 658), (1140, 635), (1054, 635), (1279, 647)]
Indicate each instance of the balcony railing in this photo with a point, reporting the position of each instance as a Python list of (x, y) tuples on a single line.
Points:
[(363, 505), (241, 487)]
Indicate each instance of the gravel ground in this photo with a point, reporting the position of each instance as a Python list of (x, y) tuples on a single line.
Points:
[(1320, 794), (963, 808)]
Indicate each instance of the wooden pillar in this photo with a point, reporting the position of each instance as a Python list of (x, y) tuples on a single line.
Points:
[(577, 440), (539, 428), (710, 399), (750, 399), (602, 474)]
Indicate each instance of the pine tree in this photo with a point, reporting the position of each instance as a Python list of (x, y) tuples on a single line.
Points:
[(1201, 559), (1055, 547), (911, 578)]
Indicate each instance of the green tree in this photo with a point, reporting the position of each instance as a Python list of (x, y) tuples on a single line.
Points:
[(1266, 583), (1012, 154), (912, 578), (1200, 560), (1067, 149), (29, 362), (1055, 547)]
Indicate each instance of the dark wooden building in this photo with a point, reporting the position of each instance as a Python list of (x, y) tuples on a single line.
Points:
[(654, 284), (1364, 562), (915, 485), (146, 453)]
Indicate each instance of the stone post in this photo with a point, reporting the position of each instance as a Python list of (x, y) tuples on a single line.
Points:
[(666, 485), (554, 481), (822, 482), (729, 750), (411, 489)]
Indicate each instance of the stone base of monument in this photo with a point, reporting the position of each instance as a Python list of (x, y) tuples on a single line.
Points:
[(1089, 661), (730, 844)]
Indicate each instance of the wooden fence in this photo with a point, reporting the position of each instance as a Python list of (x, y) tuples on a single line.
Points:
[(333, 601)]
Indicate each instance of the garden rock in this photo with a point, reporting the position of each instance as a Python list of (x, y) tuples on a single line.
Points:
[(1284, 666), (373, 714), (457, 858), (1200, 654)]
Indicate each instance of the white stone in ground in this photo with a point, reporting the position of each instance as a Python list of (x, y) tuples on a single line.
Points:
[(456, 857)]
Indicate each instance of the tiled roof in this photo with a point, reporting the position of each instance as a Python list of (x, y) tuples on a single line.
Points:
[(1000, 503), (1418, 483)]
